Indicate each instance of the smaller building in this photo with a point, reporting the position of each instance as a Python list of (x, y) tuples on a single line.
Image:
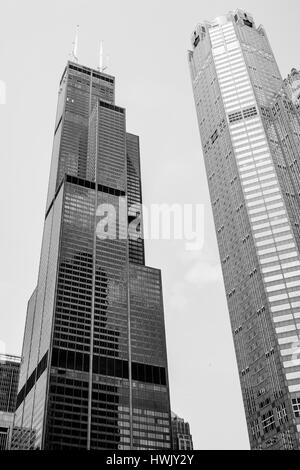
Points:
[(292, 86), (9, 378), (181, 435)]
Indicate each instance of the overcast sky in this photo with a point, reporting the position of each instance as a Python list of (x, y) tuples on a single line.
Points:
[(147, 43)]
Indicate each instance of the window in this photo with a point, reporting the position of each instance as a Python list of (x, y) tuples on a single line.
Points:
[(283, 318), (268, 421), (234, 117), (248, 23), (281, 413), (278, 277), (214, 136), (296, 407)]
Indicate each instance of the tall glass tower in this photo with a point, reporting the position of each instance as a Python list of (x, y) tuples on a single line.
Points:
[(94, 365), (250, 133)]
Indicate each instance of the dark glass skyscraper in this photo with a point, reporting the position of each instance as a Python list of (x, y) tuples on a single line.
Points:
[(94, 372), (250, 131)]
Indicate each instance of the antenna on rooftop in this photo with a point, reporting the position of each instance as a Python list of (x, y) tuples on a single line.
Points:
[(75, 46), (101, 66)]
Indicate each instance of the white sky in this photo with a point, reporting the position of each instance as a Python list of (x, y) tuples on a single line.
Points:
[(147, 42)]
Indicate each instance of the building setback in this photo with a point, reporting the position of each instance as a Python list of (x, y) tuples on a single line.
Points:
[(94, 372), (250, 132)]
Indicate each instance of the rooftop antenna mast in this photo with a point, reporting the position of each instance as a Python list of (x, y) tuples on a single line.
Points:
[(101, 66), (75, 46)]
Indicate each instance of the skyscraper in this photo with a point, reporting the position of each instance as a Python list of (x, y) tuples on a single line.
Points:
[(181, 434), (250, 131), (94, 372), (9, 378)]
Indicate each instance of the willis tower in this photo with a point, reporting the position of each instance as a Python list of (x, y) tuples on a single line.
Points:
[(94, 364)]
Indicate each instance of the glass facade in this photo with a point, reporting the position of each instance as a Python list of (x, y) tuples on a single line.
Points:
[(150, 391), (246, 129), (134, 200), (80, 88), (94, 372)]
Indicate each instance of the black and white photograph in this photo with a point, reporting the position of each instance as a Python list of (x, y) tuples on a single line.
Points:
[(150, 235)]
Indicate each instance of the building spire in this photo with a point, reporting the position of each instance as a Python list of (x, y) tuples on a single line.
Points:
[(75, 46), (101, 66)]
